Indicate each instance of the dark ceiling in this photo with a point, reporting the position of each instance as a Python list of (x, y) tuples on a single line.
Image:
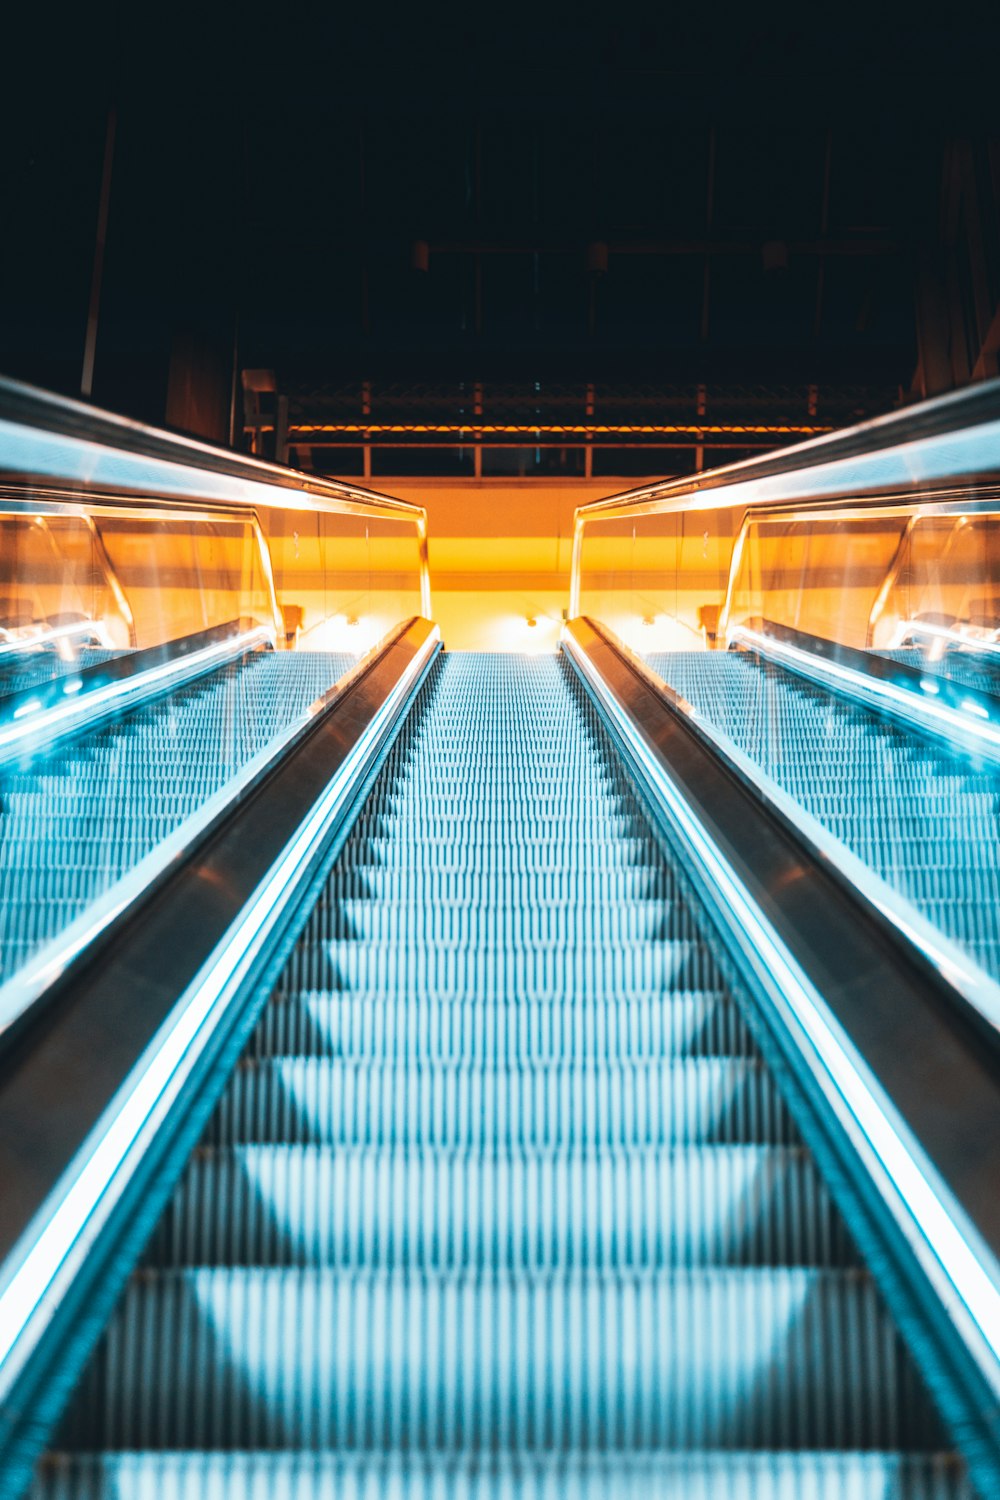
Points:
[(509, 196)]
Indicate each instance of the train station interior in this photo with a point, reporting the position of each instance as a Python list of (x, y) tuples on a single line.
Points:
[(500, 756)]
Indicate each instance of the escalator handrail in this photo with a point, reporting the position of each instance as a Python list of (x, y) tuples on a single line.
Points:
[(948, 438), (921, 452), (27, 989), (911, 1164), (98, 451), (37, 718), (51, 441), (961, 718), (956, 967), (126, 1058)]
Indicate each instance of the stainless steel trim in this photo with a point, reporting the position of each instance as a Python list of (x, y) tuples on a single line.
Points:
[(36, 718), (961, 718), (959, 1265), (24, 989)]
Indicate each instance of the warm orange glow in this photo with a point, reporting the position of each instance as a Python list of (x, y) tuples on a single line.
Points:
[(565, 429)]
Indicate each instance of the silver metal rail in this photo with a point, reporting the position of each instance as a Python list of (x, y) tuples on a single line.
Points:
[(911, 1169), (935, 452), (56, 453)]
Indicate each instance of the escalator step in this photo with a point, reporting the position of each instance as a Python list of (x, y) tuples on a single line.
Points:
[(501, 1200), (260, 1359), (325, 1100), (632, 1476), (317, 1205), (462, 1029)]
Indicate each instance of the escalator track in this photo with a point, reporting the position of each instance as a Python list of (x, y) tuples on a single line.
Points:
[(503, 1197), (925, 819), (77, 818)]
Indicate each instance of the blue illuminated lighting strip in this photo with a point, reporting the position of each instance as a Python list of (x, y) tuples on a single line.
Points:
[(48, 965), (26, 645), (41, 1269), (31, 728), (968, 729), (956, 967), (971, 645), (957, 1262)]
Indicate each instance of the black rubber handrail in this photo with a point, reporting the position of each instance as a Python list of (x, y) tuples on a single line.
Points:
[(35, 718), (123, 667), (143, 1010), (880, 668), (901, 1022)]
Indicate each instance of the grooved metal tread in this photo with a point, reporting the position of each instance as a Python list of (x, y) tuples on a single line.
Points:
[(501, 1199), (75, 820), (632, 1476), (526, 1210), (928, 822)]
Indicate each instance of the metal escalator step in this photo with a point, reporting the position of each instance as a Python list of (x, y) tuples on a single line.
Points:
[(515, 1211), (438, 883), (96, 807), (587, 969), (465, 925), (460, 1028), (501, 1201), (496, 850), (688, 1359), (629, 1476), (328, 1101), (926, 821)]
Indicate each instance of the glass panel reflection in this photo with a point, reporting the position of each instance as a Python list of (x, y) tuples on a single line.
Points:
[(157, 648), (848, 655)]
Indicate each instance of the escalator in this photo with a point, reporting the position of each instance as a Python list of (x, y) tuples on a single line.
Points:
[(476, 1075), (925, 819), (503, 1197), (77, 818)]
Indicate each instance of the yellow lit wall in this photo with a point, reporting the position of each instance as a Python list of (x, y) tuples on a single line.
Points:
[(500, 555)]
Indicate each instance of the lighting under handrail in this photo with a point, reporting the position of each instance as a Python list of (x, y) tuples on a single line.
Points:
[(951, 440), (49, 440), (39, 717), (956, 1260), (27, 641), (968, 721)]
